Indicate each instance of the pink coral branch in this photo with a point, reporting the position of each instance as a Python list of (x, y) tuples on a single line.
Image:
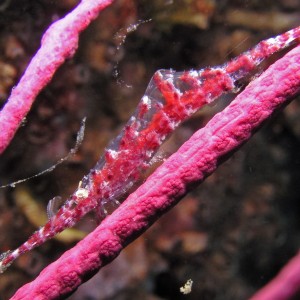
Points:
[(190, 165), (58, 44), (285, 285)]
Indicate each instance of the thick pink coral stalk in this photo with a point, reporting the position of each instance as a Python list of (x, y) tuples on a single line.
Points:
[(58, 44), (285, 285), (190, 165)]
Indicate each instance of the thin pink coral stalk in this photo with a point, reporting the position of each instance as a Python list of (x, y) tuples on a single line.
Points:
[(190, 165), (285, 285), (58, 44)]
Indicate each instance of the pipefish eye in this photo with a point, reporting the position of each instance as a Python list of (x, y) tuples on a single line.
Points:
[(81, 193)]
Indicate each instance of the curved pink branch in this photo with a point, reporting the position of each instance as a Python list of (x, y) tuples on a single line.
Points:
[(285, 285), (190, 165), (58, 44)]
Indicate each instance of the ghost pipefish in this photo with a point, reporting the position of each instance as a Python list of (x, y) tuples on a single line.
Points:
[(170, 98)]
